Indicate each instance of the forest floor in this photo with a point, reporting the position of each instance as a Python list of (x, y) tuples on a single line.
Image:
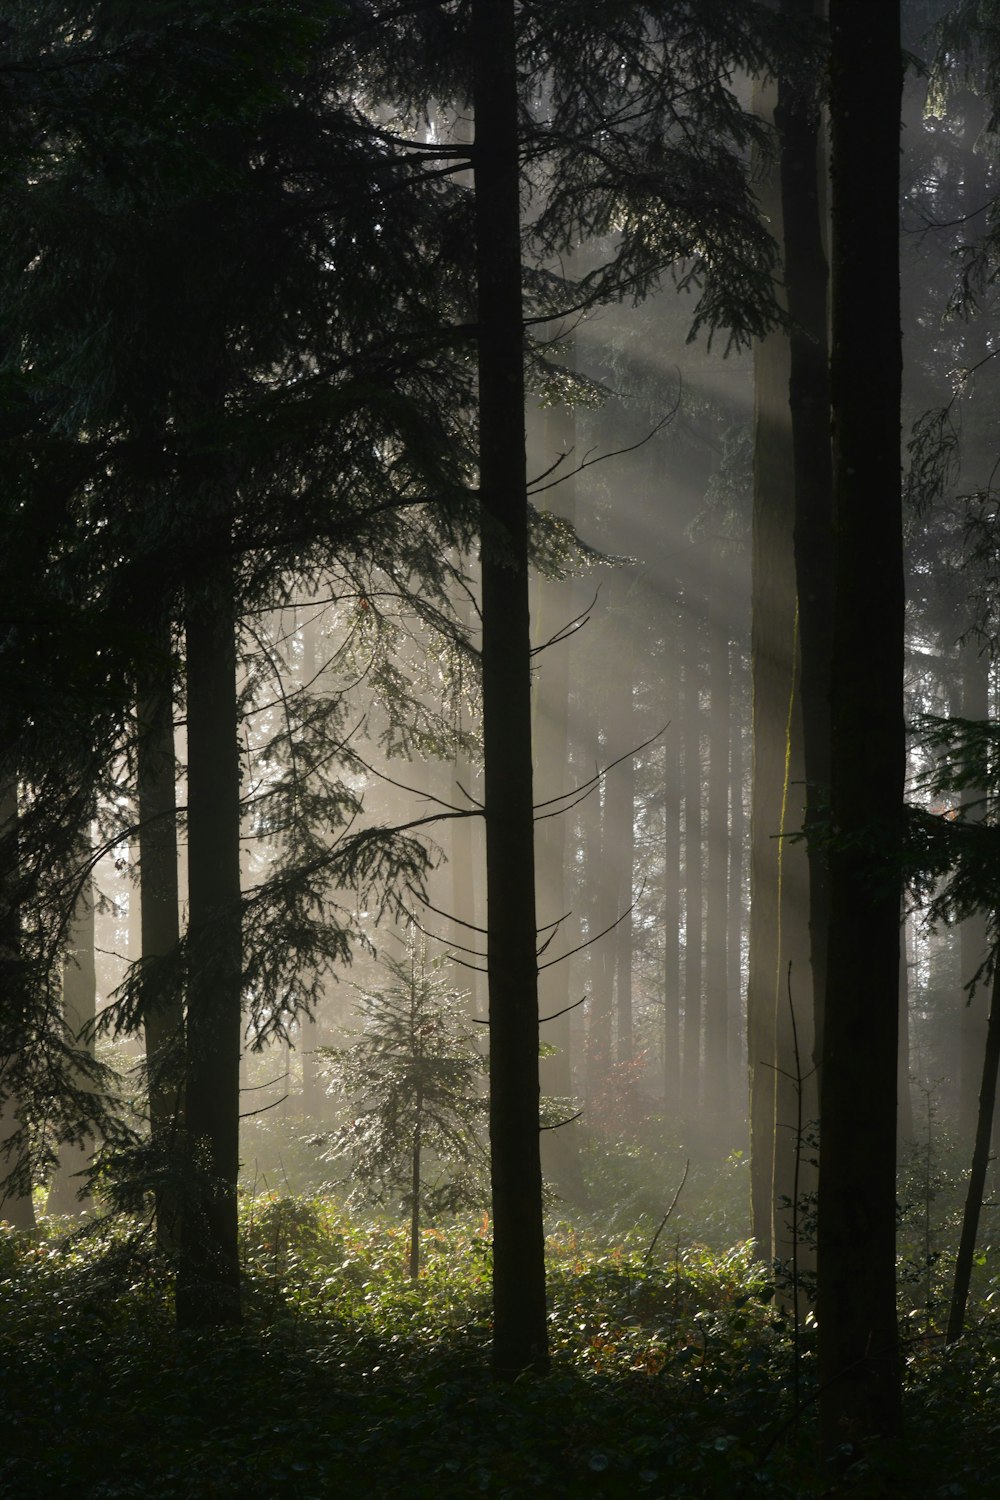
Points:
[(673, 1376)]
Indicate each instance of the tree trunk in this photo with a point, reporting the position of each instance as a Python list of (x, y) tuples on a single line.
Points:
[(672, 875), (736, 905), (973, 935), (859, 1376), (693, 870), (718, 1102), (208, 1280), (803, 213), (16, 1205), (519, 1316), (560, 1153), (163, 1009), (779, 872), (67, 1193), (980, 1162)]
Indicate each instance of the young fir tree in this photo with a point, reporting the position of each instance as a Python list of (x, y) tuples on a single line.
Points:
[(415, 1109)]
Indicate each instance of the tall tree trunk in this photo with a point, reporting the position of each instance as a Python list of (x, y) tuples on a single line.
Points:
[(560, 1153), (803, 212), (980, 1162), (619, 824), (163, 1007), (779, 872), (772, 659), (737, 877), (16, 1205), (520, 1339), (672, 874), (717, 1097), (973, 934), (904, 1112), (693, 875), (67, 1193), (208, 1279), (859, 1376)]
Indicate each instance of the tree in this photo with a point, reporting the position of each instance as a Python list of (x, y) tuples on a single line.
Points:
[(520, 1328), (411, 1085), (859, 1355)]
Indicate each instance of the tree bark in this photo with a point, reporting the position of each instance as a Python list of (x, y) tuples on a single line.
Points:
[(672, 873), (208, 1279), (718, 1101), (980, 1162), (859, 1376), (973, 933), (163, 1010), (67, 1193), (691, 1075), (16, 1205), (803, 213), (519, 1315)]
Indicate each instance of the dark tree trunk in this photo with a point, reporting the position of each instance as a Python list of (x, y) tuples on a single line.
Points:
[(163, 1010), (208, 1281), (859, 1376), (973, 932), (519, 1315), (772, 665), (980, 1162), (16, 1205), (67, 1193)]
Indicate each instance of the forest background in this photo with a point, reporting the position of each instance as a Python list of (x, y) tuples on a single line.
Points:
[(345, 729)]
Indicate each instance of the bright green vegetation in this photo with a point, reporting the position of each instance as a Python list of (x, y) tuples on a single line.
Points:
[(672, 1375)]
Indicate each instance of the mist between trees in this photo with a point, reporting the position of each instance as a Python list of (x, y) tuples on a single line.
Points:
[(498, 671)]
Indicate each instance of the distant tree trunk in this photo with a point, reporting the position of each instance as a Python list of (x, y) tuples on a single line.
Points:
[(67, 1193), (16, 1204), (600, 917), (163, 1006), (619, 824), (520, 1340), (693, 876), (310, 1028), (718, 1102), (625, 937), (672, 875), (904, 1114), (973, 935), (737, 1072), (560, 1154), (208, 1279), (980, 1162), (859, 1375)]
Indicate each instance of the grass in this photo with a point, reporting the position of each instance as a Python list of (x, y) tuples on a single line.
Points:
[(671, 1378)]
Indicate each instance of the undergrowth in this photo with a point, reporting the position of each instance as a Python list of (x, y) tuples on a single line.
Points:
[(672, 1375)]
